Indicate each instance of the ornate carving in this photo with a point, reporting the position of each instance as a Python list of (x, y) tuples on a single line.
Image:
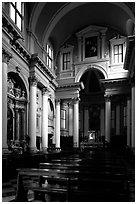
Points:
[(45, 90), (10, 86), (18, 69), (17, 92), (6, 56), (33, 80), (107, 97), (76, 100), (57, 101)]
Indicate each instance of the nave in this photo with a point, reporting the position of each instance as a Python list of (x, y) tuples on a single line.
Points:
[(99, 175)]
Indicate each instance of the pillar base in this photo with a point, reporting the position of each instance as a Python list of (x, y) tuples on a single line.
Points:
[(5, 150), (44, 149), (33, 149)]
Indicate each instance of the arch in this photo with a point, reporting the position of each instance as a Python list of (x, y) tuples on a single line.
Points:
[(70, 7), (35, 15), (84, 69), (23, 80)]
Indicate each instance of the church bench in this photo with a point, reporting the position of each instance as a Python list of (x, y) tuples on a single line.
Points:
[(103, 181), (82, 171), (114, 177), (59, 182), (69, 179), (105, 167)]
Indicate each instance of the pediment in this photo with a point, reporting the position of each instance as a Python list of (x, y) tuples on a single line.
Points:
[(91, 29)]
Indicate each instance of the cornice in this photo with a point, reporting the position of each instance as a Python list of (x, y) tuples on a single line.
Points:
[(39, 63), (10, 28), (114, 81), (14, 35), (20, 50), (73, 85), (36, 60)]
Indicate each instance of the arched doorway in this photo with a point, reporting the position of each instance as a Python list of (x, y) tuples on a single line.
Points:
[(91, 101), (17, 109)]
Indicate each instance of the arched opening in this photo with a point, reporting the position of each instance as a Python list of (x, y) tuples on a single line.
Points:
[(17, 109), (91, 101)]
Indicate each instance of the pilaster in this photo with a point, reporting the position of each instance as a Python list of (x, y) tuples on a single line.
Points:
[(32, 116), (76, 123), (6, 56), (108, 118), (57, 130), (45, 92)]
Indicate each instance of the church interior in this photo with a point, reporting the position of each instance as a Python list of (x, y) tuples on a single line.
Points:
[(68, 101)]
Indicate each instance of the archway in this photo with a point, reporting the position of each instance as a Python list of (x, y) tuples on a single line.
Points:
[(91, 101), (17, 109)]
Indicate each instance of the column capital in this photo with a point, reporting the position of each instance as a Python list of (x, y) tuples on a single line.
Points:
[(107, 97), (45, 91), (33, 80), (128, 98), (76, 100), (57, 101), (6, 56)]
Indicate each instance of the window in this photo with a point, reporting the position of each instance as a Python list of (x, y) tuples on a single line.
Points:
[(16, 13), (49, 56), (66, 61), (118, 50), (118, 53), (63, 119)]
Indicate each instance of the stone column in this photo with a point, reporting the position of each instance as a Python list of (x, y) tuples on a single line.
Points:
[(32, 112), (22, 124), (103, 44), (17, 124), (133, 117), (128, 121), (45, 119), (102, 126), (76, 123), (6, 56), (71, 120), (118, 119), (107, 118), (86, 121), (57, 131)]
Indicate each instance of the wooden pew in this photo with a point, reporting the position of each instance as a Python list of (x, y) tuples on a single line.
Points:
[(78, 180), (52, 175), (109, 183)]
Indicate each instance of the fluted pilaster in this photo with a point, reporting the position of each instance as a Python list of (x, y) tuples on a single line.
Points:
[(6, 56)]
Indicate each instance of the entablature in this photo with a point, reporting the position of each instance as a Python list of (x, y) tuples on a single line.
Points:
[(116, 86), (36, 63)]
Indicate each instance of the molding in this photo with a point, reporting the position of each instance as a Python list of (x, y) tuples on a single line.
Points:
[(10, 28), (91, 29), (39, 63), (77, 85)]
